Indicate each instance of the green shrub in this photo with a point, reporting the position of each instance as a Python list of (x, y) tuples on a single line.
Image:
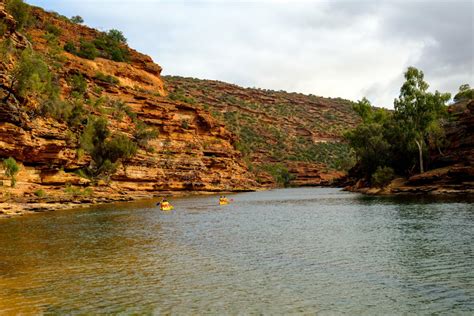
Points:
[(87, 50), (120, 147), (3, 28), (77, 192), (11, 169), (78, 84), (382, 176), (71, 112), (105, 151), (279, 172), (111, 46), (185, 124), (180, 95), (32, 76), (106, 78), (465, 93), (116, 36), (122, 108), (20, 11), (77, 19), (40, 193), (57, 109), (70, 47), (143, 133), (52, 29)]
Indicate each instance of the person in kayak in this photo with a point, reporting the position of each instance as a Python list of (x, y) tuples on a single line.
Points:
[(164, 203), (223, 200)]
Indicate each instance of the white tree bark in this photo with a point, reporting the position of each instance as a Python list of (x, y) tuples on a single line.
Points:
[(420, 152)]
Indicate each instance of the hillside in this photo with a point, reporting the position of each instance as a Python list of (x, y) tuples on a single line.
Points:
[(277, 130), (86, 128)]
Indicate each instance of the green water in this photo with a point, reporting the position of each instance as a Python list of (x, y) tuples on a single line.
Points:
[(284, 251)]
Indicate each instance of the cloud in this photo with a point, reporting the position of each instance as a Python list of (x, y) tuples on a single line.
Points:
[(336, 48)]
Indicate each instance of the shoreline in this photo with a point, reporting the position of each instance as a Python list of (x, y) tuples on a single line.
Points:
[(11, 209)]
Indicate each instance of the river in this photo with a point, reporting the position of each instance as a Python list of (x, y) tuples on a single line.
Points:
[(276, 252)]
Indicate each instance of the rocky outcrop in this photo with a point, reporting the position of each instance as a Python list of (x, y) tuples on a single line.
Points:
[(313, 174), (302, 132), (193, 151)]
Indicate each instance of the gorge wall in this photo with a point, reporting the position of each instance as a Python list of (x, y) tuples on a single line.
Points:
[(192, 152), (284, 137)]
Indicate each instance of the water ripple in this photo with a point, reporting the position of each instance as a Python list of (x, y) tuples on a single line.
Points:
[(295, 251)]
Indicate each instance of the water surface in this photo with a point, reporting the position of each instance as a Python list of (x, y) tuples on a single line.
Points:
[(275, 252)]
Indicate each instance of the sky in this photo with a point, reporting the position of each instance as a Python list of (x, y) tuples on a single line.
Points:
[(338, 48)]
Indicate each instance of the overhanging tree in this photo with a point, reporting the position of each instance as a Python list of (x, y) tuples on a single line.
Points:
[(419, 111)]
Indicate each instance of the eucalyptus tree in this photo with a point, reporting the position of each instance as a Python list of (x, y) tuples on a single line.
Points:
[(418, 111)]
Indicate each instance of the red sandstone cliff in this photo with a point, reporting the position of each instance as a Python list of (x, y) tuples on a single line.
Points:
[(196, 156)]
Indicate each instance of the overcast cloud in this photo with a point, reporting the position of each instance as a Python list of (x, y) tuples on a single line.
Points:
[(339, 48)]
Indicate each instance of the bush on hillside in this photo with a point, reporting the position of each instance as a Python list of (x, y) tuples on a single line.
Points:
[(87, 50), (105, 151), (280, 173), (106, 78), (52, 29), (111, 46), (20, 11), (144, 133), (31, 76), (382, 176), (78, 84), (77, 19), (70, 48), (11, 169)]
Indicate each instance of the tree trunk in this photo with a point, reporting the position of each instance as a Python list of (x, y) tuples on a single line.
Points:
[(420, 152)]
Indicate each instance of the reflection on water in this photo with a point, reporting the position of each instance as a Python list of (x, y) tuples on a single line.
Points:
[(282, 251)]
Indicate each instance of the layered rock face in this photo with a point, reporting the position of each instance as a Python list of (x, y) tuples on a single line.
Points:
[(193, 151), (301, 132)]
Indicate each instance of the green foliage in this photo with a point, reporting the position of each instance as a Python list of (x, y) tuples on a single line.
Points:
[(77, 191), (143, 133), (465, 93), (111, 46), (20, 11), (279, 172), (77, 19), (106, 78), (40, 193), (70, 47), (399, 141), (87, 50), (11, 169), (185, 124), (122, 108), (71, 112), (120, 147), (116, 36), (180, 95), (105, 151), (78, 84), (57, 109), (52, 29), (370, 146), (3, 28), (382, 176), (31, 76), (419, 111)]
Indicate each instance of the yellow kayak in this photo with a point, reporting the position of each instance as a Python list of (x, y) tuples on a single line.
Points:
[(223, 202), (167, 208)]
